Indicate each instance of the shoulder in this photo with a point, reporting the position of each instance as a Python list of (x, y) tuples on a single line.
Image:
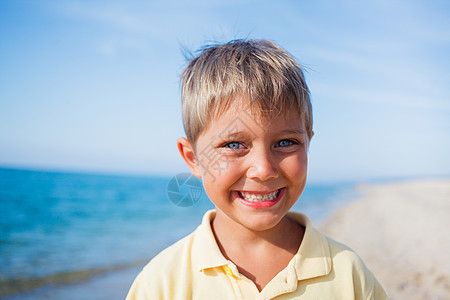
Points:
[(172, 255), (166, 270), (173, 272), (342, 253), (346, 263)]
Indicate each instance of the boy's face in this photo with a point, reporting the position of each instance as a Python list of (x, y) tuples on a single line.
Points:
[(253, 170)]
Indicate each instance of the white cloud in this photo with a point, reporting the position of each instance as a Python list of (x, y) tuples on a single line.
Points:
[(382, 96), (110, 47), (402, 79), (136, 25), (112, 14)]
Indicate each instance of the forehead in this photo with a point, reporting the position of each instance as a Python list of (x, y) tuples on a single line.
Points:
[(256, 109), (241, 117), (256, 112)]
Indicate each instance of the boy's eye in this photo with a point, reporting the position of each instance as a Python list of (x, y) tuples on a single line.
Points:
[(285, 143), (233, 145)]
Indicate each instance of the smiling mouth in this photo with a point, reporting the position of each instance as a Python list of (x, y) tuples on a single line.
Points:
[(259, 197)]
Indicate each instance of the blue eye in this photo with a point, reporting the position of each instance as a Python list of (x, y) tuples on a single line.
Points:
[(285, 143), (233, 145)]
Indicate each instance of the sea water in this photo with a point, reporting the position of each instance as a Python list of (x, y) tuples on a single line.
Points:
[(54, 223)]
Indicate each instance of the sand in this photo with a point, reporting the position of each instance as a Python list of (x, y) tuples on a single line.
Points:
[(401, 231)]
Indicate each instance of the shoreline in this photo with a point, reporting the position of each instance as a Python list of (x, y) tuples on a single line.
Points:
[(72, 284), (400, 230), (111, 285)]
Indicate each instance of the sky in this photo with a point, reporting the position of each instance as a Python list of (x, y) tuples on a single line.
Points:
[(93, 86)]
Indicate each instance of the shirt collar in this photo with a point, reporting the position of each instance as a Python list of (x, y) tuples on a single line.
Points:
[(312, 260), (205, 251)]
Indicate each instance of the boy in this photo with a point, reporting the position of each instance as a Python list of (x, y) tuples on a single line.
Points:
[(248, 121)]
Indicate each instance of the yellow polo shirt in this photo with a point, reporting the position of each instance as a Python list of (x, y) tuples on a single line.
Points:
[(194, 268)]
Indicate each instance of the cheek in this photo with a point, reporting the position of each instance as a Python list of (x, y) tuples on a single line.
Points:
[(219, 170), (295, 167), (215, 170)]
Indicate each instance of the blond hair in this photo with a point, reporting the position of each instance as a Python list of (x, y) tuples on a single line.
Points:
[(258, 71)]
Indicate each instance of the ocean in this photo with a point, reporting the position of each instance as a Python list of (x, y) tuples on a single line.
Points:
[(57, 228)]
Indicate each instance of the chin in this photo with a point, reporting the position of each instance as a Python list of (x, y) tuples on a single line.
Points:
[(261, 223)]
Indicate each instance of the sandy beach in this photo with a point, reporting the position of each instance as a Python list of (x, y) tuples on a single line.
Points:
[(401, 231)]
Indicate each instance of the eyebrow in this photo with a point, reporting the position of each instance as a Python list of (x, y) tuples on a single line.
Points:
[(245, 135), (293, 131), (235, 134)]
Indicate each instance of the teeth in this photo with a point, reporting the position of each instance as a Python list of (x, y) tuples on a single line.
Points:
[(258, 197)]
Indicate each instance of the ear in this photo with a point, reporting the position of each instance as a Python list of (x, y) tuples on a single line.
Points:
[(188, 154)]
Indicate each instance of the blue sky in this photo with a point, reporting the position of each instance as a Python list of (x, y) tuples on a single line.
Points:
[(93, 85)]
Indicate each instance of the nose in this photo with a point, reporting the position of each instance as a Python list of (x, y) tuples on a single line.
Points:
[(262, 165)]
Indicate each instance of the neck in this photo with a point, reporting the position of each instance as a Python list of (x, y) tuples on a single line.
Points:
[(229, 234)]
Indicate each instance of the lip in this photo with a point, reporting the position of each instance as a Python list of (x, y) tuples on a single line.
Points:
[(260, 204)]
